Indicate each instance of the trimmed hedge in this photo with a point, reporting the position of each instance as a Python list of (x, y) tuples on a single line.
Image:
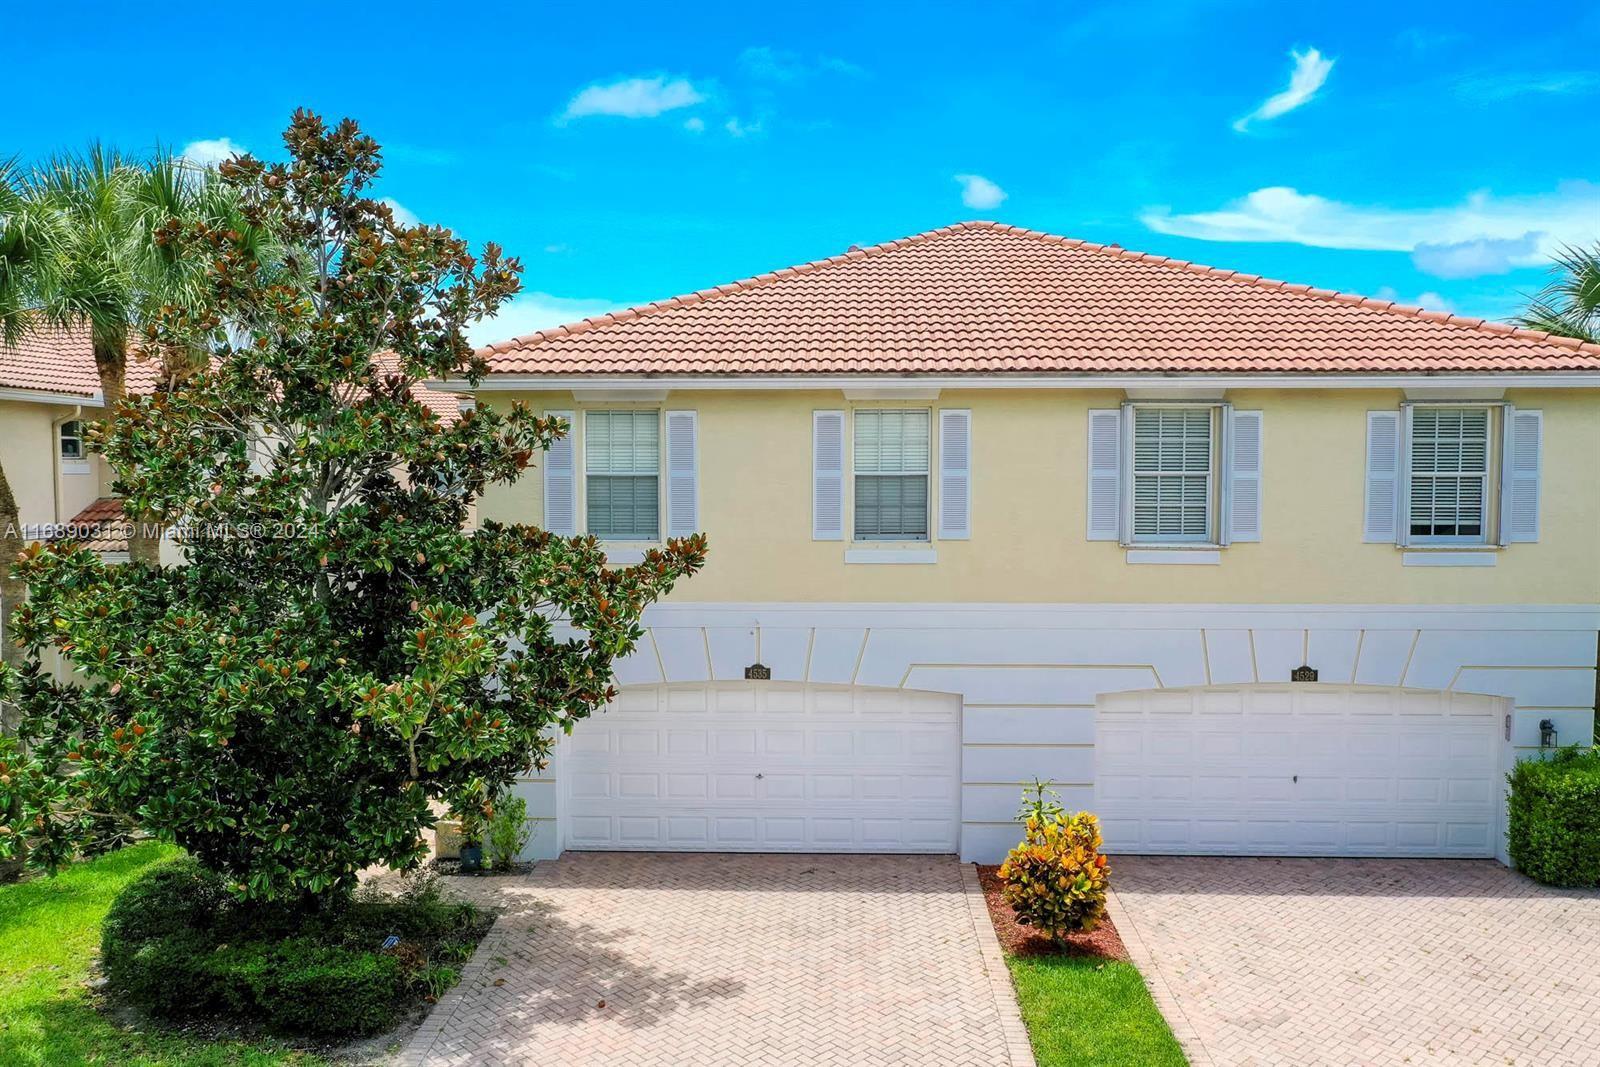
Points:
[(1554, 825), (176, 945)]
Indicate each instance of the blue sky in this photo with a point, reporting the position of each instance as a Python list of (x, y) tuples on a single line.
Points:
[(1431, 153)]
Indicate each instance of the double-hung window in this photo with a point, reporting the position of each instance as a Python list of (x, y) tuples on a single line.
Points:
[(891, 462), (72, 439), (1173, 469), (622, 465), (1450, 470)]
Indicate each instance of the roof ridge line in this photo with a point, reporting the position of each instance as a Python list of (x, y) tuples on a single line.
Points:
[(700, 296), (1331, 295)]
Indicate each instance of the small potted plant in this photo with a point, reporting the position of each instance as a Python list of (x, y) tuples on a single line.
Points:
[(471, 854)]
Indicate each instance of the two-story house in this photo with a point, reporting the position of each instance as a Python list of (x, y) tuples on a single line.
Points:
[(49, 388), (1246, 567)]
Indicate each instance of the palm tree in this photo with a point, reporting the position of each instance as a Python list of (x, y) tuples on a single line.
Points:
[(79, 251), (1570, 304)]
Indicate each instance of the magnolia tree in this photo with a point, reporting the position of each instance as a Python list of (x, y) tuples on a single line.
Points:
[(338, 654)]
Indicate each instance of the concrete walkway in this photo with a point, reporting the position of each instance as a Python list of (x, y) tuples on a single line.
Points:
[(641, 959), (1329, 962)]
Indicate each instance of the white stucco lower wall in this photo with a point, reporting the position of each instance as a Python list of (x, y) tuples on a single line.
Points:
[(1028, 675)]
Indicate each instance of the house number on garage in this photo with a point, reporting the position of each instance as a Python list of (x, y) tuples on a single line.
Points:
[(758, 672), (1303, 673)]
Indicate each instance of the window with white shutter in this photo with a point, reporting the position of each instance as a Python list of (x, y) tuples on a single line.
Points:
[(622, 464), (1172, 472), (1453, 474), (1447, 496), (891, 459)]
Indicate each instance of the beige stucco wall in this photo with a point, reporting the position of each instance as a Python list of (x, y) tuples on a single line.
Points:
[(1028, 504), (28, 455)]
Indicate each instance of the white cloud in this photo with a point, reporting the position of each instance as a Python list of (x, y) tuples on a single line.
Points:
[(1310, 71), (634, 98), (736, 128), (402, 214), (695, 125), (1473, 259), (1482, 235), (979, 192), (1547, 83), (527, 312), (210, 153), (1430, 300), (774, 64)]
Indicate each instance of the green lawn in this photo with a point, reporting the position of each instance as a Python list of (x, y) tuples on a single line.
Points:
[(49, 929), (1091, 1013)]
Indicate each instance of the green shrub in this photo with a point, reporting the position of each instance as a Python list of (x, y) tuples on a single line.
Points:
[(508, 831), (176, 945), (174, 897), (1554, 826)]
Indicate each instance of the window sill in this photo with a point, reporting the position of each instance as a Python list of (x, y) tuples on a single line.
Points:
[(1174, 555), (626, 553), (1480, 556), (923, 554), (74, 466)]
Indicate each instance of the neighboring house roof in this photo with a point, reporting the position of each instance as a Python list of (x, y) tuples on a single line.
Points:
[(447, 406), (982, 297), (100, 527), (61, 362)]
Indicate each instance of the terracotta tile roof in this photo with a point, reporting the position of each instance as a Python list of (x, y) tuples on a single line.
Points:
[(100, 527), (982, 297), (60, 361), (447, 406)]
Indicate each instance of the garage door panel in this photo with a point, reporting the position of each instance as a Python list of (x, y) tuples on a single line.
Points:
[(1341, 771), (801, 768)]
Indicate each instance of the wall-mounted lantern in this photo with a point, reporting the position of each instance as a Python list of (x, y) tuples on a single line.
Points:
[(1547, 734)]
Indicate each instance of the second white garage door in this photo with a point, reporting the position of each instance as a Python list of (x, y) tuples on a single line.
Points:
[(1300, 770), (766, 767)]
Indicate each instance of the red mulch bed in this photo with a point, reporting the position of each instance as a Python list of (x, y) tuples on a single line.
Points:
[(1103, 942)]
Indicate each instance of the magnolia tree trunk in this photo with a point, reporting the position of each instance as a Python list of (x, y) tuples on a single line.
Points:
[(111, 361), (12, 593)]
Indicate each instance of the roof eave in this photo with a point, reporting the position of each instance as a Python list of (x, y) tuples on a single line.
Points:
[(1179, 381)]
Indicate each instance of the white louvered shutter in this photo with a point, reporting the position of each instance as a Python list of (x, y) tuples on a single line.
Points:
[(827, 475), (1244, 476), (955, 474), (1382, 521), (683, 490), (560, 479), (1519, 501), (1105, 474)]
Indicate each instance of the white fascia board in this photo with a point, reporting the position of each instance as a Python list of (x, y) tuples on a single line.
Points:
[(1203, 385), (38, 396)]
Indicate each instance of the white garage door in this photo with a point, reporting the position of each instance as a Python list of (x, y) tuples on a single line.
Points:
[(766, 767), (1300, 770)]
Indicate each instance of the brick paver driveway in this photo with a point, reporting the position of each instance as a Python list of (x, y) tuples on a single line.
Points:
[(1280, 962), (625, 959)]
